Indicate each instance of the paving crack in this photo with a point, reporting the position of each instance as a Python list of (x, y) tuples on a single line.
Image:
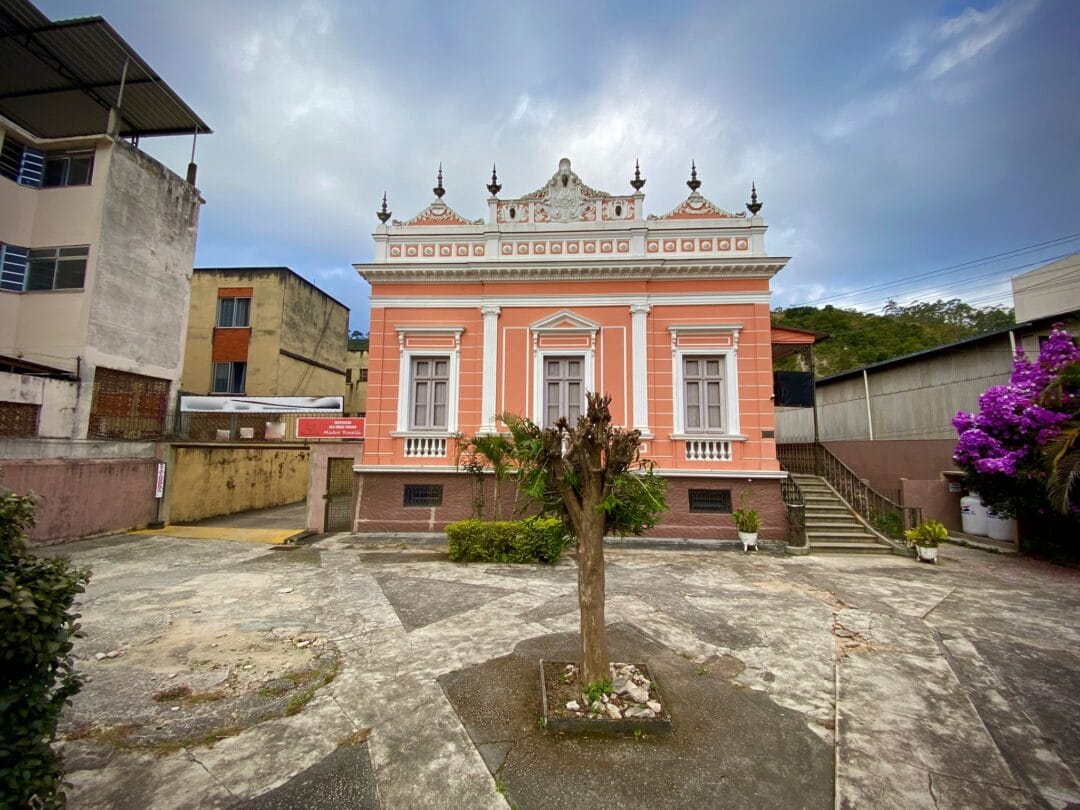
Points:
[(930, 785), (212, 775), (939, 603)]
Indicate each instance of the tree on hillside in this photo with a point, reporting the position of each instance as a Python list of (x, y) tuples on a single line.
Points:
[(358, 341), (862, 338), (592, 475)]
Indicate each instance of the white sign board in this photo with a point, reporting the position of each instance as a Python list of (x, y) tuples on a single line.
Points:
[(159, 484), (324, 405)]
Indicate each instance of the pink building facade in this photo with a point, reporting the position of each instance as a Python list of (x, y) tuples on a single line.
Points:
[(562, 291)]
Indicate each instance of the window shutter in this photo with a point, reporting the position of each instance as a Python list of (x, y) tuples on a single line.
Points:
[(12, 267)]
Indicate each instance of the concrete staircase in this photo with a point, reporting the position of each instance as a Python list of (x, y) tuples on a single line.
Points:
[(831, 525)]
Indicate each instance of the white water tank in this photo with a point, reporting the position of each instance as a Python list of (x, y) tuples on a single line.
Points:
[(1001, 528), (973, 515)]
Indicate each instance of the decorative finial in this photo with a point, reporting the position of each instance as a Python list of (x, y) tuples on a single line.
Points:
[(382, 213), (439, 190), (494, 186), (638, 181), (753, 206), (693, 182)]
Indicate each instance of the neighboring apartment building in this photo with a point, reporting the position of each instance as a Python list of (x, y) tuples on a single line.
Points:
[(559, 292), (97, 239), (1048, 290), (356, 382), (263, 331)]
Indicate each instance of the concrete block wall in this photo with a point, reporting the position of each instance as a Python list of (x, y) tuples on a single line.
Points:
[(84, 497)]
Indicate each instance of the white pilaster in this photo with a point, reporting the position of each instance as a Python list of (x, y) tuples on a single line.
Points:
[(487, 395), (639, 349)]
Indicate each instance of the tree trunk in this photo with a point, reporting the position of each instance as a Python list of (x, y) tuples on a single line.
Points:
[(590, 532), (594, 649)]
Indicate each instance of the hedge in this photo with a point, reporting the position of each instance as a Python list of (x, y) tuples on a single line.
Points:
[(537, 539), (36, 670)]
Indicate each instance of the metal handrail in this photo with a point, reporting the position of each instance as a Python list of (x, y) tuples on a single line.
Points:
[(880, 512), (796, 512)]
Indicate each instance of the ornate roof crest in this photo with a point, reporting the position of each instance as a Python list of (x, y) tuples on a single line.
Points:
[(697, 207), (439, 213), (565, 198)]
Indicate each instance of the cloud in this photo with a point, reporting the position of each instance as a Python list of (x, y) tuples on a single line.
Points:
[(968, 35), (925, 54)]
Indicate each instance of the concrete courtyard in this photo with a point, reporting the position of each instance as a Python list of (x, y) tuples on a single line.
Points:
[(337, 674)]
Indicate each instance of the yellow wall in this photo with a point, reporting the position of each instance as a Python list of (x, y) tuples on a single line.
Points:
[(287, 314), (356, 391), (212, 480)]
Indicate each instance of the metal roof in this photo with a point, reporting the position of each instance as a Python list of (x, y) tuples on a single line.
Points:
[(60, 79)]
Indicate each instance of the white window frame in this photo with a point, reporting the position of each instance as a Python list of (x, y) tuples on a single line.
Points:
[(546, 326), (430, 403), (405, 364), (570, 355), (728, 355), (703, 399)]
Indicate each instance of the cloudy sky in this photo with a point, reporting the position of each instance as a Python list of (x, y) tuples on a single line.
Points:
[(912, 150)]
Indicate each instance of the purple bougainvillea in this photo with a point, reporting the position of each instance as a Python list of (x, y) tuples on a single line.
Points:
[(999, 446)]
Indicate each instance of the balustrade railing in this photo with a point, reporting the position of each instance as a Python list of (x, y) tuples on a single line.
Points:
[(708, 450), (425, 446), (882, 513)]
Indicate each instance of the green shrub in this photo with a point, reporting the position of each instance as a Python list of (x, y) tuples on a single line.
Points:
[(927, 534), (36, 672), (536, 539)]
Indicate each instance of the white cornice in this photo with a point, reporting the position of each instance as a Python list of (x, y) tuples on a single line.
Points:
[(563, 300), (755, 267)]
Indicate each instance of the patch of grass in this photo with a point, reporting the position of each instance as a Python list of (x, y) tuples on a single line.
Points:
[(313, 678), (357, 737), (106, 735), (275, 691), (639, 734), (173, 693), (206, 740), (702, 670), (598, 688), (299, 701), (206, 697)]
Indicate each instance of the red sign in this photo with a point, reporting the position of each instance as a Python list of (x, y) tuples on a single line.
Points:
[(311, 427)]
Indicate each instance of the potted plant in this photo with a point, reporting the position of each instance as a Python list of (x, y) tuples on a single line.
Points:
[(925, 538), (747, 522)]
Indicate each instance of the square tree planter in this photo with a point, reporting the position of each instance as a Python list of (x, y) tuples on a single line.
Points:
[(561, 683)]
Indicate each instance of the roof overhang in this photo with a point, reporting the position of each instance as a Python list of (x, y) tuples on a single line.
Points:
[(61, 79), (787, 340)]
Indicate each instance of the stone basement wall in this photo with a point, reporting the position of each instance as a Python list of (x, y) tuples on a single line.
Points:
[(381, 506)]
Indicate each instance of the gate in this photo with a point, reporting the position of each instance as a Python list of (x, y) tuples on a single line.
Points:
[(339, 477)]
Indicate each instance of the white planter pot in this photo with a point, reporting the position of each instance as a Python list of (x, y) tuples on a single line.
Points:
[(748, 539), (927, 553)]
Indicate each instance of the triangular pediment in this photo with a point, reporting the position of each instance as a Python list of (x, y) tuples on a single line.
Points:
[(565, 321), (439, 213), (697, 207)]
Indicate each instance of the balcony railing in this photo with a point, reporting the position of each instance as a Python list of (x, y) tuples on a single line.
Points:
[(425, 446), (883, 514), (708, 450)]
